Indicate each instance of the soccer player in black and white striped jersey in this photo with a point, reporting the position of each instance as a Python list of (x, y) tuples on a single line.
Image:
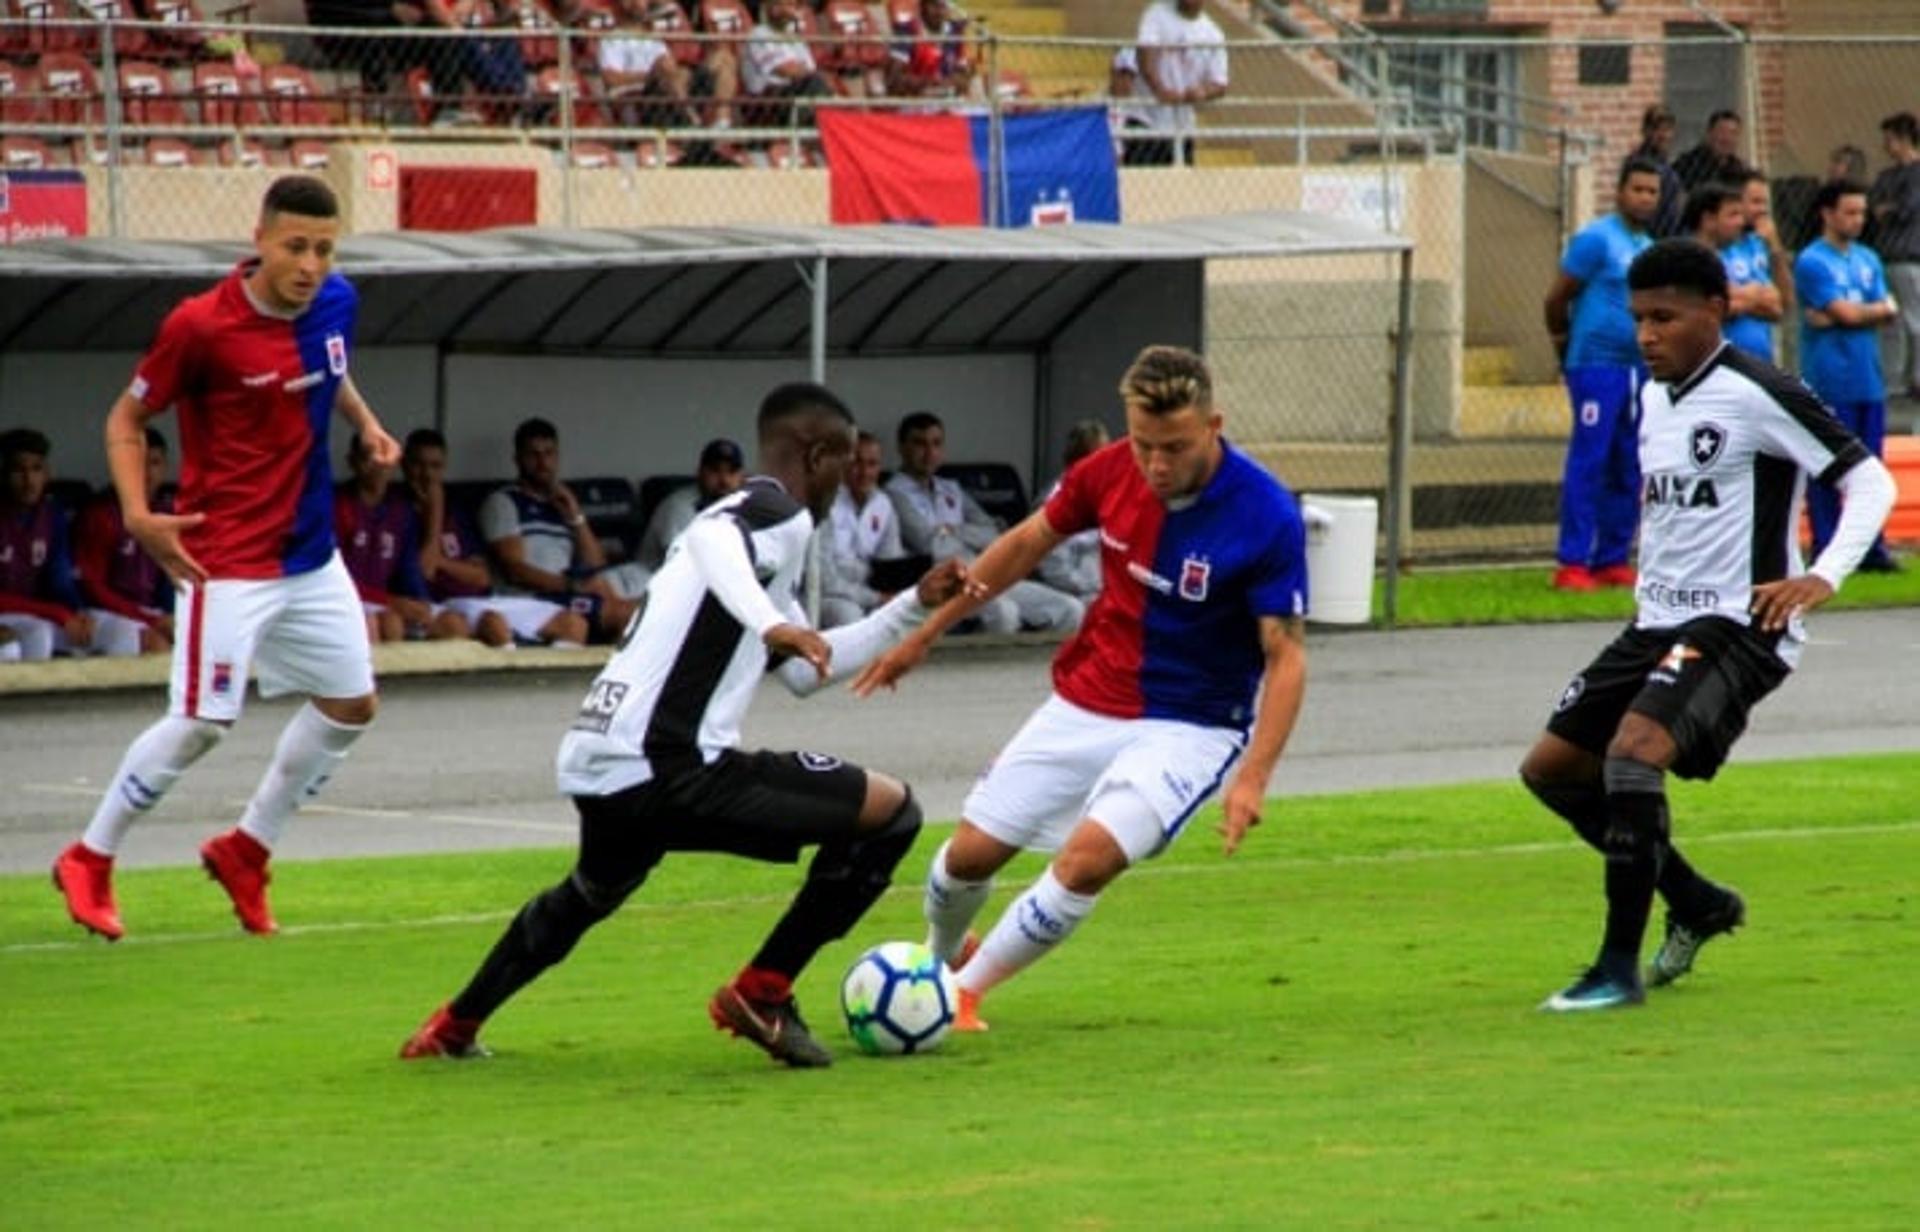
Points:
[(1726, 443), (653, 764)]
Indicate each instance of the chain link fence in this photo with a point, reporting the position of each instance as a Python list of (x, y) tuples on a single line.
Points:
[(1479, 149)]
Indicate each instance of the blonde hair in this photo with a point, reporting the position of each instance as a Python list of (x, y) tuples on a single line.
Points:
[(1163, 379)]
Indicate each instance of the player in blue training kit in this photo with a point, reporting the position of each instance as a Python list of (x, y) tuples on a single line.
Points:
[(1843, 302), (1592, 333), (1725, 443)]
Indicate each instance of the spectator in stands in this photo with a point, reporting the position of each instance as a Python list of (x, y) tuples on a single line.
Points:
[(938, 519), (1716, 160), (721, 471), (1593, 333), (777, 63), (865, 529), (539, 539), (130, 596), (1716, 215), (928, 58), (1128, 115), (380, 543), (1657, 130), (646, 83), (493, 68), (1894, 202), (38, 599), (1074, 567), (1183, 62), (1843, 303), (455, 565)]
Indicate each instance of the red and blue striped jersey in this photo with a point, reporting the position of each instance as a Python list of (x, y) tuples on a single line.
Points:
[(255, 393), (1174, 632)]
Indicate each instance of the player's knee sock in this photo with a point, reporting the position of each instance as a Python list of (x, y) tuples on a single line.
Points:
[(1688, 893), (950, 905), (1041, 918), (310, 748), (544, 932), (1581, 805), (153, 763), (1636, 837), (844, 880)]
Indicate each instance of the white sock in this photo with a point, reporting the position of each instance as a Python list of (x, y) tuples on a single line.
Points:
[(950, 906), (153, 763), (1033, 924), (309, 749)]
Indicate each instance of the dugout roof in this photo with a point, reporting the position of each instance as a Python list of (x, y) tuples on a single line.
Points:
[(671, 290)]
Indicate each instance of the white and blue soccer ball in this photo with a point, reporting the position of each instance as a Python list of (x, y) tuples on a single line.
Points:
[(898, 999)]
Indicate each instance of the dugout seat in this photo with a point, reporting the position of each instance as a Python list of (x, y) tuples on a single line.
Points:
[(71, 495), (995, 485), (612, 511), (465, 496), (653, 490)]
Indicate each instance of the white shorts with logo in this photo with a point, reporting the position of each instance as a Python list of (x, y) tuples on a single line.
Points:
[(305, 634), (525, 615), (1057, 768)]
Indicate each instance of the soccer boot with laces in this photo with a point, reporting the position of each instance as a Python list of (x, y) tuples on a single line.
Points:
[(1598, 989), (1685, 937), (775, 1027), (443, 1035), (84, 878), (239, 863)]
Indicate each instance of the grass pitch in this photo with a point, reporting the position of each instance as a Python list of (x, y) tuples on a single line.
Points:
[(1334, 1029)]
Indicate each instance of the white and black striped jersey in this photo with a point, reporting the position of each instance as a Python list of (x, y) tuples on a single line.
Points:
[(673, 695), (1723, 460)]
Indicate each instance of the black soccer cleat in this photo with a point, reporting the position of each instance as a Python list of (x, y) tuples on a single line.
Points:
[(1684, 939), (775, 1027)]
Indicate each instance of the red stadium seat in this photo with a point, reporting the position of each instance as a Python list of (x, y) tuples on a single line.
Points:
[(28, 31), (538, 46), (294, 98), (904, 18), (24, 154), (727, 18), (588, 112), (308, 156), (147, 95), (850, 40), (228, 97), (131, 42), (171, 152), (20, 98), (651, 154), (177, 44), (666, 19), (249, 153), (72, 90), (594, 155)]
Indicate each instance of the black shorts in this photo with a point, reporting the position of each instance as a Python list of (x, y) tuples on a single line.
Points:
[(1698, 681), (765, 806)]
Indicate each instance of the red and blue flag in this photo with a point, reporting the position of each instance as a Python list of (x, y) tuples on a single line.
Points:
[(933, 170)]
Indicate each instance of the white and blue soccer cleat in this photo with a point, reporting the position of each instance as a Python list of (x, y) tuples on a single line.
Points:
[(1596, 990)]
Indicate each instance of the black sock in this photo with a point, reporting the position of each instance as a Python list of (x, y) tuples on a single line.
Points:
[(1636, 834), (1688, 894), (844, 880), (542, 934), (1581, 805)]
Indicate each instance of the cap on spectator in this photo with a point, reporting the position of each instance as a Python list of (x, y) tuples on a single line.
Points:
[(722, 452)]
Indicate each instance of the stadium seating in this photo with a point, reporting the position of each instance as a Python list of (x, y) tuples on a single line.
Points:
[(147, 95), (20, 100), (995, 485), (226, 98), (72, 91), (24, 154)]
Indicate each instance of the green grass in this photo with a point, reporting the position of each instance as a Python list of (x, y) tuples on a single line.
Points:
[(1334, 1029), (1521, 595)]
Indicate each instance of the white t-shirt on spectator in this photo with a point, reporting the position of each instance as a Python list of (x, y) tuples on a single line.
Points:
[(631, 55), (769, 49), (1193, 53)]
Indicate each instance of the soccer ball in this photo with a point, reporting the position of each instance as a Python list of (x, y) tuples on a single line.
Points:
[(898, 999)]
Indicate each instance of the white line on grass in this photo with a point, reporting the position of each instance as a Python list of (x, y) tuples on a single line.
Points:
[(1151, 870)]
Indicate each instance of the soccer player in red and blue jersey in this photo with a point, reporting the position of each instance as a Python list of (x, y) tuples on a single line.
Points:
[(256, 368), (1191, 662)]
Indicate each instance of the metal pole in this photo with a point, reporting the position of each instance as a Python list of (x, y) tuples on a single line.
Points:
[(996, 139), (1399, 494), (568, 83), (110, 69), (817, 340)]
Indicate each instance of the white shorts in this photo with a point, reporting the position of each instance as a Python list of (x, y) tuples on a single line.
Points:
[(36, 636), (114, 634), (306, 634), (525, 615), (1059, 765)]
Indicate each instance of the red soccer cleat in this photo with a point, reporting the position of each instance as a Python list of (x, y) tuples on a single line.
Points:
[(84, 878), (239, 863), (967, 1017), (443, 1035), (1616, 575), (1575, 577)]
